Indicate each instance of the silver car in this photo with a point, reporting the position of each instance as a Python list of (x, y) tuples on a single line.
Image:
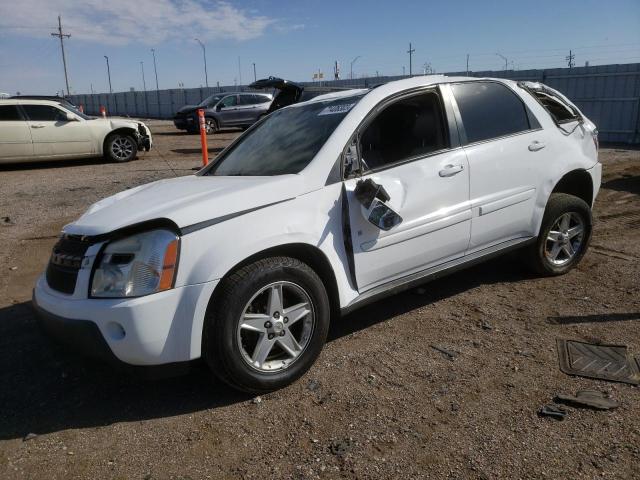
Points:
[(224, 110)]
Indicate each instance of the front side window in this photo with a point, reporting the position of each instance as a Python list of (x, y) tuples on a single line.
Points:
[(411, 127), (489, 110), (285, 142), (229, 101), (44, 113), (9, 113), (210, 101)]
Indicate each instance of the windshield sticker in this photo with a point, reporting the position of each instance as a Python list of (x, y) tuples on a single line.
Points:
[(332, 109)]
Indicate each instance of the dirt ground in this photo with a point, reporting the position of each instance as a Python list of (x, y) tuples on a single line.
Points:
[(380, 402)]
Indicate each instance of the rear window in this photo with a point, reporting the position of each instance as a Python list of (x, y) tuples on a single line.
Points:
[(489, 110), (9, 113)]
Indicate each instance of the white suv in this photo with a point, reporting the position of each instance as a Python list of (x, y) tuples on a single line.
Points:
[(37, 129), (317, 209)]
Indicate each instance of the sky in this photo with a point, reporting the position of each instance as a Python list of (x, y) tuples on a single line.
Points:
[(294, 39)]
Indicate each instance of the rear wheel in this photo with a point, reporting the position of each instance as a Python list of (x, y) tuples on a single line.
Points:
[(120, 147), (267, 325), (564, 235)]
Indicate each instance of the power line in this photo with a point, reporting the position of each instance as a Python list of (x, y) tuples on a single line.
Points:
[(61, 36)]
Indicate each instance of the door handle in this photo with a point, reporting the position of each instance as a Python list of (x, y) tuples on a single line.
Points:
[(536, 145), (37, 126), (450, 170)]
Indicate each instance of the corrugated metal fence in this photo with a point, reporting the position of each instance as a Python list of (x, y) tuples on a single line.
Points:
[(608, 94)]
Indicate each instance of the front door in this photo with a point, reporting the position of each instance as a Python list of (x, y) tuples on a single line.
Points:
[(15, 137), (228, 111), (54, 135), (406, 149)]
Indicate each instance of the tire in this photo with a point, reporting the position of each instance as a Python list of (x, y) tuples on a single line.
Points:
[(228, 348), (120, 147), (211, 125), (559, 247)]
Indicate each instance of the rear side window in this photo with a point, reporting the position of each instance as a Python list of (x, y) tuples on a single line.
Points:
[(247, 100), (489, 110), (44, 113), (558, 110), (9, 113)]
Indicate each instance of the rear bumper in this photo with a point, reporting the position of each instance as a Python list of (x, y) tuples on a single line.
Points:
[(596, 177)]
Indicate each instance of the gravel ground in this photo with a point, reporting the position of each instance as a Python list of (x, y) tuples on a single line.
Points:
[(380, 402)]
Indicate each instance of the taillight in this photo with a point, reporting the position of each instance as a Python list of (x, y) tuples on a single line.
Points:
[(594, 135)]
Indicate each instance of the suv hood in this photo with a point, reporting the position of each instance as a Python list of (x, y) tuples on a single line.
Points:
[(188, 109), (185, 201)]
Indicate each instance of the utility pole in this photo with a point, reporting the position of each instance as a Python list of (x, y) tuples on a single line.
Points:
[(204, 56), (570, 59), (411, 51), (467, 64), (144, 83), (403, 71), (108, 74), (239, 71), (352, 62), (155, 69), (61, 36), (336, 70), (505, 61), (255, 78)]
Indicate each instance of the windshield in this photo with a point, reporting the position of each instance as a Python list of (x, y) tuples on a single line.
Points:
[(212, 100), (73, 109), (286, 141)]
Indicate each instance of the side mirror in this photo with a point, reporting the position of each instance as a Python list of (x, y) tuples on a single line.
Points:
[(70, 117), (382, 216), (219, 107)]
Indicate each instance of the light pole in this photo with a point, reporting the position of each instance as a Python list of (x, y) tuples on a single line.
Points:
[(352, 62), (108, 74), (155, 69), (255, 78), (144, 87), (505, 60), (204, 56)]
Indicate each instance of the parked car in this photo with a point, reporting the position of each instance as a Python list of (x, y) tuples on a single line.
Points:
[(224, 110), (36, 129), (290, 92), (318, 209)]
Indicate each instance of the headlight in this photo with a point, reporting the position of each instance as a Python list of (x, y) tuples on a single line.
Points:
[(137, 265)]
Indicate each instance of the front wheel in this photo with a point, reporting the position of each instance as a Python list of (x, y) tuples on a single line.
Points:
[(564, 235), (266, 325), (120, 147)]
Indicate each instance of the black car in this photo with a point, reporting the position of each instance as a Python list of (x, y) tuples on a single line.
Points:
[(223, 110), (290, 92)]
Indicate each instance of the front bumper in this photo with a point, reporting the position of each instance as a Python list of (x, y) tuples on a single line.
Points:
[(162, 328), (184, 123)]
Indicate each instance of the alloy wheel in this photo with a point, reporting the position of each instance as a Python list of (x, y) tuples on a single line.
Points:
[(564, 240), (276, 326), (122, 148)]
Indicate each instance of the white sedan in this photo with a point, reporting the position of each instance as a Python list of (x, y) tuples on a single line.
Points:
[(34, 129)]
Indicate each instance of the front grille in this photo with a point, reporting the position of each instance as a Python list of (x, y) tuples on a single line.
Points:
[(65, 262)]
